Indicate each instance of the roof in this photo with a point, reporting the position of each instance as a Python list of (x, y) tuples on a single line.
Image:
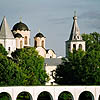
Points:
[(75, 32), (49, 50), (5, 31), (53, 61), (20, 26), (39, 35), (18, 35)]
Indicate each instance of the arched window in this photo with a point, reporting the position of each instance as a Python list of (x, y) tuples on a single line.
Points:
[(25, 40), (45, 96), (86, 95), (74, 46), (50, 56), (77, 37), (24, 96), (35, 43), (65, 95), (8, 48), (42, 44), (80, 46), (21, 44), (5, 96)]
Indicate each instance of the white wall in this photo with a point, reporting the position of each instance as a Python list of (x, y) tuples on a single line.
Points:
[(9, 43), (53, 90), (49, 71)]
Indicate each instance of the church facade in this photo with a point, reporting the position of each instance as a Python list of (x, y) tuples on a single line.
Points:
[(19, 37)]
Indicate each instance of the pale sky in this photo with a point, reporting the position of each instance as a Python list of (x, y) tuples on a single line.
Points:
[(53, 18)]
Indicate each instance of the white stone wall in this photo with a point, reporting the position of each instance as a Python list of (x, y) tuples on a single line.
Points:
[(41, 51), (9, 43), (50, 71), (54, 91)]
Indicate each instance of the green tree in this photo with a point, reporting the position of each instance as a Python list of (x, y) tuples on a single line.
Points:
[(69, 72), (92, 41), (10, 74), (81, 68), (2, 50), (32, 66), (92, 57)]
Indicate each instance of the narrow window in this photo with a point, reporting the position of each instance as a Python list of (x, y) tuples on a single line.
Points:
[(35, 44), (74, 37), (21, 44), (74, 46), (42, 44), (25, 40)]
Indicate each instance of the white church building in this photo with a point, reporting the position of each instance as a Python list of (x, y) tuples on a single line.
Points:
[(19, 37)]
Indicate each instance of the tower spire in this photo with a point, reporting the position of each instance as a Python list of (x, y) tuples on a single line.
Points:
[(20, 19), (75, 13), (5, 31), (75, 32), (39, 30), (75, 41)]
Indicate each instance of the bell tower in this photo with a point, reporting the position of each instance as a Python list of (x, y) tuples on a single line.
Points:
[(75, 40)]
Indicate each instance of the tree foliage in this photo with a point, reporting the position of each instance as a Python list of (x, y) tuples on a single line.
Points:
[(92, 41), (10, 74), (81, 68), (65, 96), (25, 67), (2, 50), (32, 66)]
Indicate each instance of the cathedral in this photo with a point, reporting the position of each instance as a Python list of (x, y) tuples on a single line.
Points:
[(19, 37)]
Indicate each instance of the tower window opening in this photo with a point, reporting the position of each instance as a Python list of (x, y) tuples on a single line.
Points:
[(80, 46), (74, 46), (77, 37), (8, 48)]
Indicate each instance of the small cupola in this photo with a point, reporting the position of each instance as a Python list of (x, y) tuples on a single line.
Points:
[(39, 35), (39, 40)]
